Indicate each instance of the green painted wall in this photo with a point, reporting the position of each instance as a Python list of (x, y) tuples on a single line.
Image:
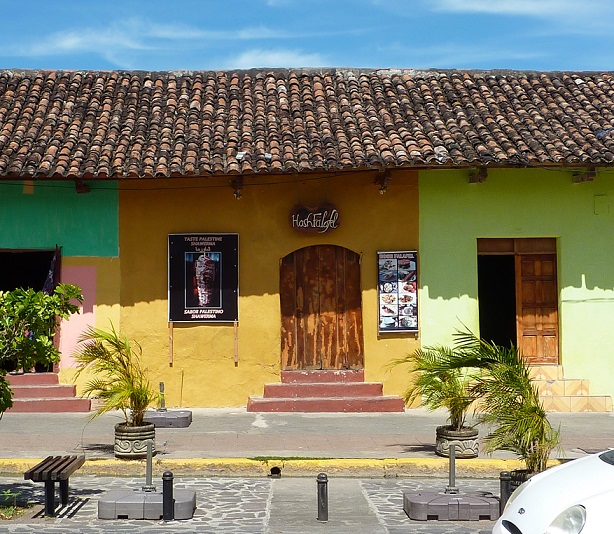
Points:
[(523, 203), (41, 215)]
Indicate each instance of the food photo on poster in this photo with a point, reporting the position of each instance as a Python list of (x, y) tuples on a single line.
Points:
[(397, 291), (202, 272)]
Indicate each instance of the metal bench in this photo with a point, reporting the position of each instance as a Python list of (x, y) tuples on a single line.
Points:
[(51, 470)]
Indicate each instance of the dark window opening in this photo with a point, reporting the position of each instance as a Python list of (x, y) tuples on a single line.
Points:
[(497, 299), (24, 269)]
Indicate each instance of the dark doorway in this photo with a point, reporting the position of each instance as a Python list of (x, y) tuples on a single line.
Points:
[(497, 299), (26, 269)]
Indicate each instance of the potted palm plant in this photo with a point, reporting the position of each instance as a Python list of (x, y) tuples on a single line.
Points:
[(510, 405), (442, 385), (120, 382)]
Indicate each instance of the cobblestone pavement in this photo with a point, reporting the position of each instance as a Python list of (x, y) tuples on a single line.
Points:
[(252, 506)]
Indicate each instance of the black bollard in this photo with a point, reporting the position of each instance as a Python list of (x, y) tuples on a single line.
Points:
[(322, 497), (168, 502), (505, 486)]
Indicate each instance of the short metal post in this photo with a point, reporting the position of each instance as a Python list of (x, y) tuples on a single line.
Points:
[(168, 502), (322, 497), (148, 472), (162, 407), (505, 486), (452, 489)]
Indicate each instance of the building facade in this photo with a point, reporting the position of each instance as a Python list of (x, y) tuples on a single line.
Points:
[(316, 219)]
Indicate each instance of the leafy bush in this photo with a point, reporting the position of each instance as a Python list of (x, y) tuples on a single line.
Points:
[(28, 323)]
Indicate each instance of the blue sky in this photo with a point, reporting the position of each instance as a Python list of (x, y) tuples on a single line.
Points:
[(243, 34)]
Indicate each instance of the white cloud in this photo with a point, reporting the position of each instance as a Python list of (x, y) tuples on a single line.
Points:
[(567, 16), (556, 17), (458, 57), (507, 7), (274, 58)]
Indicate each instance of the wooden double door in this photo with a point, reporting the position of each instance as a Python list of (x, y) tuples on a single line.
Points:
[(321, 309)]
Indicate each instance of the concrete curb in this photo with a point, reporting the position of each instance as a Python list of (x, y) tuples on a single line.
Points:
[(247, 467)]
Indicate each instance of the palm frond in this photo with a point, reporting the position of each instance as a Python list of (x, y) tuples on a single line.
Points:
[(119, 378), (439, 383)]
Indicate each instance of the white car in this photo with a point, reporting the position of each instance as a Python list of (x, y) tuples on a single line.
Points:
[(572, 498)]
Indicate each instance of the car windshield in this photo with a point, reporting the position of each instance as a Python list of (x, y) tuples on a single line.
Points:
[(607, 457)]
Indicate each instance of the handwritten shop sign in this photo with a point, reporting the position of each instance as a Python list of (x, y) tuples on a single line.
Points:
[(318, 220)]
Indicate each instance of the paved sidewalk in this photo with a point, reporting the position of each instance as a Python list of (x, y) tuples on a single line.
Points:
[(235, 433), (225, 456), (254, 506)]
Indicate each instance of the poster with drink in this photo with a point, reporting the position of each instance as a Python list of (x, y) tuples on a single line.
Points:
[(397, 283)]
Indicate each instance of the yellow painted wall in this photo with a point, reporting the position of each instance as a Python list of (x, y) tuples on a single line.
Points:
[(203, 371)]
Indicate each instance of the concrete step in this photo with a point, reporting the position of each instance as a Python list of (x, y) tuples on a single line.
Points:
[(324, 389), (50, 405), (577, 403), (322, 375), (547, 372), (43, 392), (559, 394), (387, 403), (32, 379), (562, 387)]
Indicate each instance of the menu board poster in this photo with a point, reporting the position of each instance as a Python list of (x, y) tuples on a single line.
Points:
[(397, 291), (203, 278)]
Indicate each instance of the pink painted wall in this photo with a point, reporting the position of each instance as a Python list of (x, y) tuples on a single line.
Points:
[(71, 329)]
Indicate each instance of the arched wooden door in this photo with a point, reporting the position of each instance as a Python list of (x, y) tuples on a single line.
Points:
[(321, 309)]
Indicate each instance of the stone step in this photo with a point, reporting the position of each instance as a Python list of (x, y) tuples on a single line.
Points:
[(387, 403), (322, 375), (563, 387), (43, 392), (547, 372), (47, 405), (577, 403), (323, 389), (32, 379)]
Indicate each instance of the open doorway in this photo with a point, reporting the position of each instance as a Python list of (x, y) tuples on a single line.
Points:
[(29, 269), (497, 299), (518, 295)]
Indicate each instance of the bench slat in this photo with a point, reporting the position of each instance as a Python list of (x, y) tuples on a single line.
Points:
[(54, 468)]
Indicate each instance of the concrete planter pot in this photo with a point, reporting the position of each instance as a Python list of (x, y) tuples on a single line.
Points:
[(465, 440), (131, 441)]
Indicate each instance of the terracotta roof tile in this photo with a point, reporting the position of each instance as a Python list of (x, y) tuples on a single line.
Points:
[(139, 124)]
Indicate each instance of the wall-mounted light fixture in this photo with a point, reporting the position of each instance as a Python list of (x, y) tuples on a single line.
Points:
[(237, 185), (382, 179), (479, 176), (81, 187), (580, 177)]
